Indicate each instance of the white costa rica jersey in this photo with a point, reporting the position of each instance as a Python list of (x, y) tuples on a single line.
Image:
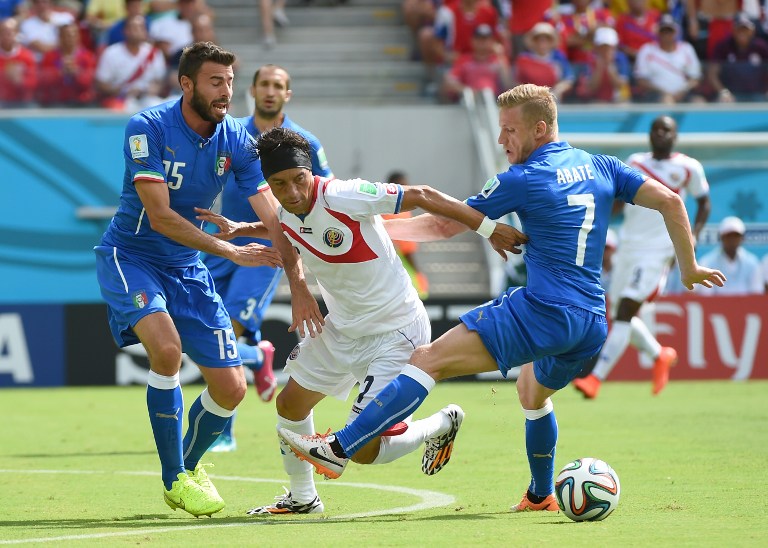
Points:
[(343, 242), (644, 229)]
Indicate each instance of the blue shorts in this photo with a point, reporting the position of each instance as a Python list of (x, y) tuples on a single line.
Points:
[(518, 328), (247, 291), (134, 288)]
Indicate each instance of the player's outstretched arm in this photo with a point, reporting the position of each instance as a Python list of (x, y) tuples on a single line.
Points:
[(423, 228), (654, 195), (157, 204), (229, 229), (304, 307), (501, 236)]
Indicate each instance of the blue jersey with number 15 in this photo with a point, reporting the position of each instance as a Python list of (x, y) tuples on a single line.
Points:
[(159, 146), (563, 197)]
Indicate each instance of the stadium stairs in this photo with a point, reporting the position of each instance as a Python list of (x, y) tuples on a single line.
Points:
[(351, 53)]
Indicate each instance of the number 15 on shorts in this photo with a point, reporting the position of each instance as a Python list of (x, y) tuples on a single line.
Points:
[(227, 343)]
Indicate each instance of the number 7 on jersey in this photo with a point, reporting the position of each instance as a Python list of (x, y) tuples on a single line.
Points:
[(588, 201)]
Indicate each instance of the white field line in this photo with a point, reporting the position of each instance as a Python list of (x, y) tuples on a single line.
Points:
[(429, 499)]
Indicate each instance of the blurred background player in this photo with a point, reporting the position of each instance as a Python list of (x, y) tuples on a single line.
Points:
[(248, 291), (407, 250), (645, 256)]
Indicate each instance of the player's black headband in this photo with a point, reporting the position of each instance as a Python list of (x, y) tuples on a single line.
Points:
[(282, 158)]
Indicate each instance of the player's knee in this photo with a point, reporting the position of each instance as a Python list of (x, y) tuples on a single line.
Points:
[(165, 358), (422, 358), (230, 395), (291, 408)]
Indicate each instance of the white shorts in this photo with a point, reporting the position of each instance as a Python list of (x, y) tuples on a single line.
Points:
[(638, 276), (332, 363)]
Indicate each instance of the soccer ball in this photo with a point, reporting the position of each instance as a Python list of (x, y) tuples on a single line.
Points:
[(587, 490)]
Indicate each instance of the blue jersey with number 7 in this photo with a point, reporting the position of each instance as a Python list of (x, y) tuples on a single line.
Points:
[(564, 198)]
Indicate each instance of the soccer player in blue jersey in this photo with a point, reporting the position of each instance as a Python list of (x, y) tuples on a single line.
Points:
[(177, 156), (247, 292), (563, 197)]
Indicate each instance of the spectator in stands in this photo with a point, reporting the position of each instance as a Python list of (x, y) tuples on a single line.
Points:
[(202, 31), (455, 22), (39, 31), (130, 75), (486, 67), (709, 23), (18, 73), (271, 12), (667, 71), (67, 73), (115, 33), (524, 15), (543, 63), (406, 250), (606, 75), (418, 14), (636, 27), (173, 33), (101, 15), (577, 28), (741, 267), (11, 8), (739, 67)]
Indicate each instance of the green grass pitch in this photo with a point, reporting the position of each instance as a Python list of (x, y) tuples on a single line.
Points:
[(78, 468)]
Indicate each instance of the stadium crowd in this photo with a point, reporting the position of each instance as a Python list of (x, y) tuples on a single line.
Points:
[(123, 54), (609, 51)]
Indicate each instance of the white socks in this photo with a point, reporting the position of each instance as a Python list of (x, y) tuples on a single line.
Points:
[(614, 347), (619, 337), (300, 472), (642, 339), (394, 447)]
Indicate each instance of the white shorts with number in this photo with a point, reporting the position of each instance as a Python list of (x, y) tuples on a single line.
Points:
[(332, 363), (638, 276)]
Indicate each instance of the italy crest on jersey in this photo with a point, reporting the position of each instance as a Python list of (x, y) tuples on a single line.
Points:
[(140, 299), (223, 162)]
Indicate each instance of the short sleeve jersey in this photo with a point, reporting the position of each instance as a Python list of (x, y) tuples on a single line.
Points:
[(644, 229), (160, 147), (563, 197), (343, 242), (236, 207)]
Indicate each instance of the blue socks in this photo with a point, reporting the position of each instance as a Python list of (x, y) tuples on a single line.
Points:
[(207, 419), (540, 441), (252, 356), (166, 413), (399, 399)]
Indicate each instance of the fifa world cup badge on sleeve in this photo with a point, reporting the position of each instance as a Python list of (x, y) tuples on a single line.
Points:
[(367, 188), (490, 186), (138, 145)]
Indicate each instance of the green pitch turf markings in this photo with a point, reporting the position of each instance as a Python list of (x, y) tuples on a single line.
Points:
[(429, 499)]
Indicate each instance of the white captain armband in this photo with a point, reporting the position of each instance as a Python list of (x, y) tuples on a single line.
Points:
[(486, 228)]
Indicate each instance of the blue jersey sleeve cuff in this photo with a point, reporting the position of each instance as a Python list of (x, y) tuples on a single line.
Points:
[(399, 200)]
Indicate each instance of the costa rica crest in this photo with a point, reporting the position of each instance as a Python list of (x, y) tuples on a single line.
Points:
[(333, 237)]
